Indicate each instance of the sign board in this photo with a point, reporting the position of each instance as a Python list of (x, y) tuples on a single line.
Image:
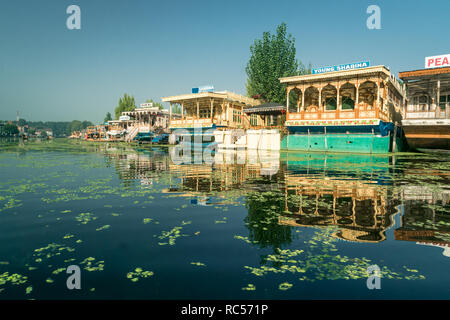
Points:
[(437, 61), (342, 67), (203, 89), (147, 105), (124, 118)]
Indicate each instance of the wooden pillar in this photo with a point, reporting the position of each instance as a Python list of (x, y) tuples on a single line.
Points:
[(182, 110), (357, 94), (438, 92), (338, 90), (170, 113), (357, 99), (303, 99), (212, 109), (198, 110), (320, 98), (378, 93), (287, 102), (298, 104)]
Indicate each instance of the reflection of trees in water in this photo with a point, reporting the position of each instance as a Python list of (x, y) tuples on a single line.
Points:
[(264, 209)]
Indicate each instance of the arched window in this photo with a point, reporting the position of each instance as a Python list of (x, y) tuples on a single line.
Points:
[(330, 104), (348, 103)]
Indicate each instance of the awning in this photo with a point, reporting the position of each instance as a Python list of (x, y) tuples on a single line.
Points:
[(270, 108)]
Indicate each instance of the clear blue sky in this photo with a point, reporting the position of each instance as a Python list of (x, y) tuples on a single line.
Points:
[(152, 49)]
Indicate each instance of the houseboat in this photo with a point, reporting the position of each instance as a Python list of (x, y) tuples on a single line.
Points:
[(427, 116), (140, 124), (209, 117), (347, 110)]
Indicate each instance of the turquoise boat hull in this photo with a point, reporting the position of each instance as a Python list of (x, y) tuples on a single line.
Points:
[(352, 142)]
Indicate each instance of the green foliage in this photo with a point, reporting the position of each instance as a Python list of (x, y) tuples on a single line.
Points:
[(176, 108), (10, 129), (155, 104), (108, 117), (272, 57), (126, 103)]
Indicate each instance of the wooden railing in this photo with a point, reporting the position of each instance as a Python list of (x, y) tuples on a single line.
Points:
[(365, 112)]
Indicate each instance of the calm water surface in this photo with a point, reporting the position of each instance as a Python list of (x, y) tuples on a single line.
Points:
[(249, 226)]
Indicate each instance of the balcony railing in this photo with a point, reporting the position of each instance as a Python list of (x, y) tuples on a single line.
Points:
[(357, 113)]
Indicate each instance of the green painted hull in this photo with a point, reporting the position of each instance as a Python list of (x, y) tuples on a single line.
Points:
[(353, 143)]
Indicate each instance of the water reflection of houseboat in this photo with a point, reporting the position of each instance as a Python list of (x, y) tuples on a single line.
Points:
[(424, 217), (359, 209), (230, 172), (427, 115), (344, 111)]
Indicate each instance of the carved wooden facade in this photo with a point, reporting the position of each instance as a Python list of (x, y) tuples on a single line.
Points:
[(368, 93)]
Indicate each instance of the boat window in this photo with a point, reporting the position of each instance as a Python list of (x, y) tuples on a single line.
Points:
[(330, 104), (348, 103)]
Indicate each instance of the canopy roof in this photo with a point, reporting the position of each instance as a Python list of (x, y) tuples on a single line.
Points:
[(226, 95), (423, 73), (271, 108)]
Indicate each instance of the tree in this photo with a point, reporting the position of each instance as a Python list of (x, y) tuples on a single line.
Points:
[(10, 129), (272, 57), (108, 117), (125, 104), (176, 108), (155, 104)]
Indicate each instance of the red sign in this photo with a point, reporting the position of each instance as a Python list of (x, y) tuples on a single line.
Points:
[(437, 61)]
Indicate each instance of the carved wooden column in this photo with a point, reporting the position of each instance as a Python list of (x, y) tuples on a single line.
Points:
[(303, 99), (320, 99), (182, 111), (338, 107), (287, 102), (212, 108)]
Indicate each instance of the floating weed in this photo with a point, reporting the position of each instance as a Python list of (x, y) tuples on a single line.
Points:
[(147, 220), (14, 279), (199, 264), (224, 220), (59, 270), (49, 280), (172, 235), (249, 287), (66, 211), (103, 228), (115, 214), (85, 217), (139, 273), (28, 290), (52, 249), (285, 286), (318, 262), (91, 265), (245, 239), (68, 236)]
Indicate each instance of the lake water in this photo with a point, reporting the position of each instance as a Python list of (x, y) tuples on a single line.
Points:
[(142, 225)]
